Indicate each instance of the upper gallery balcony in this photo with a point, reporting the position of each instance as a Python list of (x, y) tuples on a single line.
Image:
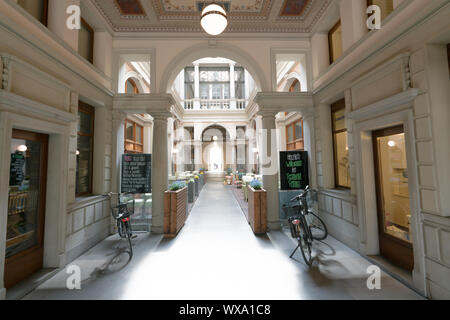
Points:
[(214, 84)]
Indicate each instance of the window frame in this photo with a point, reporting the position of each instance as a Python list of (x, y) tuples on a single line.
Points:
[(295, 141), (85, 108), (91, 30), (330, 41), (134, 141), (133, 83), (44, 14), (294, 83), (335, 107)]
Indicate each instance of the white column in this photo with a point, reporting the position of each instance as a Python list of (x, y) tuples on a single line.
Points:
[(57, 18), (282, 136), (118, 148), (353, 21), (160, 170), (270, 171), (309, 141), (171, 138), (320, 53), (148, 137), (197, 86), (198, 157), (232, 87)]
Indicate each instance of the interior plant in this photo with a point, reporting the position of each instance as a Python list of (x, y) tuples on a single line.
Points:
[(177, 185), (256, 184)]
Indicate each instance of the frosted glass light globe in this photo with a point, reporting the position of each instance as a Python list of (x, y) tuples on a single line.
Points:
[(214, 19)]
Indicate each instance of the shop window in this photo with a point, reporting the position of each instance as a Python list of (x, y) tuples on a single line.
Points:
[(86, 117), (131, 87), (294, 136), (134, 137), (86, 41), (37, 8), (335, 42), (386, 6), (340, 145)]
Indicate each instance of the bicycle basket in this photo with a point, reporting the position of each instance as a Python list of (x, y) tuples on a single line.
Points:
[(311, 198), (291, 208)]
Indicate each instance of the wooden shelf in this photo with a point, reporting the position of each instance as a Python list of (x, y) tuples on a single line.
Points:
[(19, 238)]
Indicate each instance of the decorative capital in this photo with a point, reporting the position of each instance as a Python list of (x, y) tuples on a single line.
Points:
[(118, 115), (271, 103)]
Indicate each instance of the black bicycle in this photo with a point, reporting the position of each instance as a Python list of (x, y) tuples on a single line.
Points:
[(122, 213), (304, 224)]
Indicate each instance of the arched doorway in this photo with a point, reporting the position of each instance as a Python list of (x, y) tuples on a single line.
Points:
[(214, 143)]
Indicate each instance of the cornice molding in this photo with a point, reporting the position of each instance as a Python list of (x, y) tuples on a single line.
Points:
[(14, 103), (155, 104), (385, 106)]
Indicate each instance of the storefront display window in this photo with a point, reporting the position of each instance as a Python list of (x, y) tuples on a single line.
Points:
[(341, 160), (85, 149)]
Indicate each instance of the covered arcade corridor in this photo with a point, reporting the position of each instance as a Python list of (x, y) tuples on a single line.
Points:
[(217, 256)]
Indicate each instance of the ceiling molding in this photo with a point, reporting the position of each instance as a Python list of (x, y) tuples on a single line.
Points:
[(183, 16)]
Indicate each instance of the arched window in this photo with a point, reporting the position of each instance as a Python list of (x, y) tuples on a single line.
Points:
[(131, 87), (295, 86), (134, 137), (294, 136)]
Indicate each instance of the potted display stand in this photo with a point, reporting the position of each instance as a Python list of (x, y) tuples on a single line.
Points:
[(175, 207), (196, 186), (191, 191), (257, 208)]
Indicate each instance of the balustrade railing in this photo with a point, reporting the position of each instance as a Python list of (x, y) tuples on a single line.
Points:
[(215, 104)]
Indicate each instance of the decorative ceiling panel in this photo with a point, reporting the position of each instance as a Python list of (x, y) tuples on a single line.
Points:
[(294, 7), (250, 16), (130, 7)]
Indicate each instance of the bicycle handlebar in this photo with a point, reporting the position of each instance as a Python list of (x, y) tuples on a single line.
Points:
[(302, 195)]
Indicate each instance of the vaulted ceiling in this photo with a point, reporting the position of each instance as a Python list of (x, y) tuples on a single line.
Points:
[(286, 16)]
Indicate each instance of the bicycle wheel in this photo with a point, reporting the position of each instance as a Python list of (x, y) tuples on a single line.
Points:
[(305, 244), (121, 228), (318, 228)]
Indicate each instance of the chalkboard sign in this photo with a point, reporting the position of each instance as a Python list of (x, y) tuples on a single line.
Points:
[(294, 170), (16, 174), (136, 173)]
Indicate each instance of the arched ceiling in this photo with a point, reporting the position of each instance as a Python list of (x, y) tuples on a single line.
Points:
[(250, 16)]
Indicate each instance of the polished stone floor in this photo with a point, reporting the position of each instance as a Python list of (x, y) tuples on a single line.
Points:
[(216, 256)]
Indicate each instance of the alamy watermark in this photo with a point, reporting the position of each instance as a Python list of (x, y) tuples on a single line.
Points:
[(374, 280), (73, 281)]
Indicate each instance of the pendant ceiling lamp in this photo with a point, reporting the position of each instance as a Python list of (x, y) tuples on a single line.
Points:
[(214, 19)]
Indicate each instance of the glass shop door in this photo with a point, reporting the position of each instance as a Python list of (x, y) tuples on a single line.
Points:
[(26, 206), (394, 214)]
